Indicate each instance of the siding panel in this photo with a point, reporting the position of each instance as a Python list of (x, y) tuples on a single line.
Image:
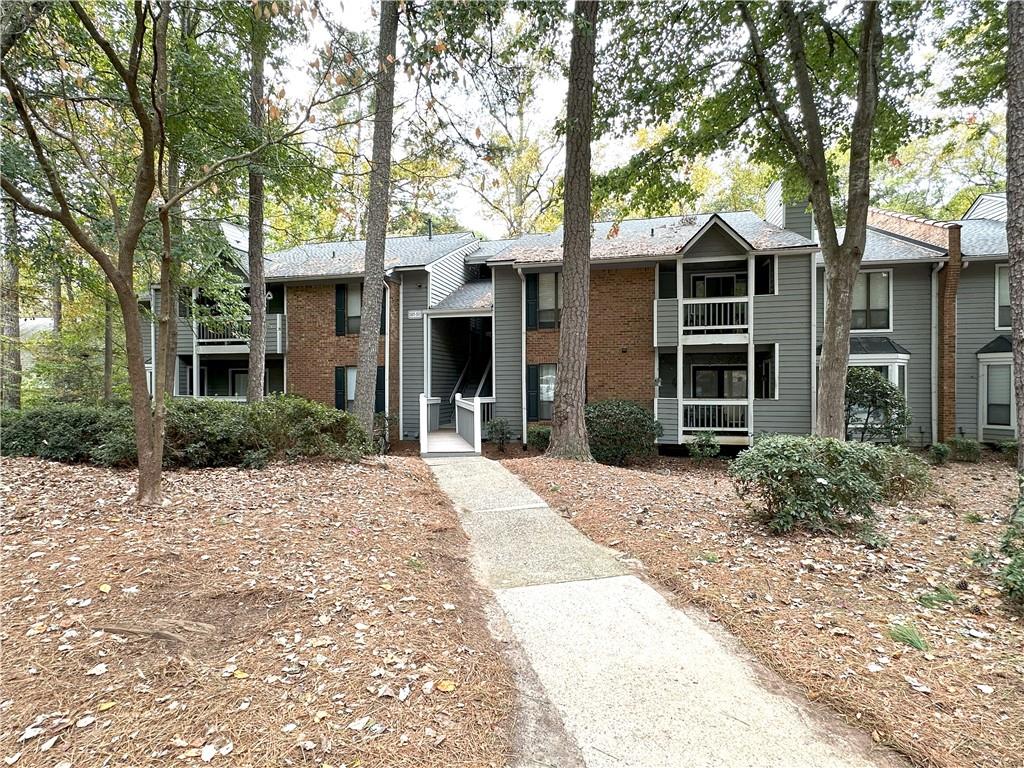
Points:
[(667, 312), (975, 327), (508, 351), (446, 274), (414, 300), (668, 417)]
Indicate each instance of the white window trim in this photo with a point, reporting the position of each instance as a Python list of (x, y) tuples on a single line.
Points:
[(995, 308), (892, 309), (892, 362), (984, 361)]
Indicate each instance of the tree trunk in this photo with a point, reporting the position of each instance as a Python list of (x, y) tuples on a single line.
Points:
[(56, 303), (257, 280), (10, 312), (171, 297), (840, 276), (108, 351), (568, 427), (377, 217), (1015, 203)]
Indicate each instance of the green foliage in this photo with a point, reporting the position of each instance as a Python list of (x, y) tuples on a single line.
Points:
[(939, 597), (539, 436), (939, 453), (704, 446), (1009, 448), (621, 432), (901, 474), (1012, 547), (499, 431), (199, 433), (875, 408), (908, 634), (976, 43), (965, 449), (811, 482)]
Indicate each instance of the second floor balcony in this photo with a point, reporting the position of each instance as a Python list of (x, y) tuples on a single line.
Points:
[(232, 338)]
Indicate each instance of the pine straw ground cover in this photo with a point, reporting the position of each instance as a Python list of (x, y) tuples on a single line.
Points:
[(820, 609), (306, 614)]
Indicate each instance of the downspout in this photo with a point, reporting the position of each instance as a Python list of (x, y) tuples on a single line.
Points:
[(522, 346), (401, 371), (814, 342), (936, 268)]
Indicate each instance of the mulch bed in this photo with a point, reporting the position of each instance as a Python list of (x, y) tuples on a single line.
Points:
[(820, 609), (316, 614)]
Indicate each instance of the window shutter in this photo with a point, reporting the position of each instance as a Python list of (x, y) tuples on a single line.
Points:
[(378, 400), (384, 313), (339, 388), (532, 392), (340, 316), (531, 301)]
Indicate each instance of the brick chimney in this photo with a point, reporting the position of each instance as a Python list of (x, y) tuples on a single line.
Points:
[(945, 235)]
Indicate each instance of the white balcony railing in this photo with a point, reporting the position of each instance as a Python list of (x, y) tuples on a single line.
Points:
[(699, 414), (727, 315), (236, 334)]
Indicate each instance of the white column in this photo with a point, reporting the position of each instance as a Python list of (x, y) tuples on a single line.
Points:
[(679, 353), (423, 423), (477, 437), (195, 344), (750, 345)]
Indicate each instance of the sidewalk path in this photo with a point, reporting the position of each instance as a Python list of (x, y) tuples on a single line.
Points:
[(634, 681)]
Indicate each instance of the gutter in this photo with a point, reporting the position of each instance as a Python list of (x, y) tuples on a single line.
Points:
[(522, 348), (935, 349)]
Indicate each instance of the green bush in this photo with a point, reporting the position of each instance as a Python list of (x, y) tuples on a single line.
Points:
[(499, 432), (209, 433), (875, 408), (811, 482), (1009, 448), (965, 449), (901, 474), (704, 446), (939, 453), (294, 426), (621, 432), (1012, 547), (539, 436), (65, 432)]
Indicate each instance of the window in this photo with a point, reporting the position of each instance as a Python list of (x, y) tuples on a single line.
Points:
[(764, 275), (667, 372), (667, 280), (345, 388), (543, 300), (894, 371), (764, 372), (720, 382), (1002, 297), (719, 286), (871, 301), (999, 396), (347, 308), (189, 389), (540, 391), (275, 299)]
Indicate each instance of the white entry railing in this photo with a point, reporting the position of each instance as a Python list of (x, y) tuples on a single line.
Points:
[(430, 414), (471, 415), (726, 315), (700, 414)]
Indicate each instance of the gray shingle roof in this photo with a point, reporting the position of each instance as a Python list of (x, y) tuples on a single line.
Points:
[(346, 257), (982, 237), (881, 246), (1003, 343), (476, 294), (874, 345), (662, 236)]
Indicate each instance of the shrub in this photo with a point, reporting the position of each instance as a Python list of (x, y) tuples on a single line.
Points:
[(294, 426), (817, 483), (1008, 448), (875, 408), (621, 432), (939, 453), (65, 432), (965, 449), (1012, 574), (900, 474), (498, 431), (208, 433), (539, 436), (704, 446)]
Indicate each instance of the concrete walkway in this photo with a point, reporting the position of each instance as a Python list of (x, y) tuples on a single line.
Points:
[(611, 674)]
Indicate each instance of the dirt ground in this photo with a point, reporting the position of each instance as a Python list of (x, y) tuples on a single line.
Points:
[(822, 610), (313, 614)]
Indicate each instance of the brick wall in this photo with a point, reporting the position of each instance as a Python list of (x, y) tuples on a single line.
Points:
[(945, 235), (314, 350), (620, 351)]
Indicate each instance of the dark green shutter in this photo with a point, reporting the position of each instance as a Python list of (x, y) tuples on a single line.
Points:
[(378, 399), (531, 301), (339, 388), (532, 392), (384, 313), (340, 316)]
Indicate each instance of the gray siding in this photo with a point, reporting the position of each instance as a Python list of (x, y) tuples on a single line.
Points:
[(975, 327), (797, 218), (667, 314), (668, 417), (508, 348), (716, 242), (414, 299), (446, 361), (446, 274), (785, 319), (185, 336), (912, 319)]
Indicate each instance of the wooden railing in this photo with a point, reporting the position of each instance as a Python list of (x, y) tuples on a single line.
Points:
[(237, 334), (717, 314), (699, 414)]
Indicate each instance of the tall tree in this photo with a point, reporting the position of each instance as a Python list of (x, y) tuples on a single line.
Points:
[(568, 427), (257, 280), (790, 81), (377, 215), (10, 311), (1015, 201)]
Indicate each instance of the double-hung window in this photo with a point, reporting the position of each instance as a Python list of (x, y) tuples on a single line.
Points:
[(871, 301), (345, 388), (999, 395), (543, 300), (1002, 297), (540, 391), (348, 308)]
